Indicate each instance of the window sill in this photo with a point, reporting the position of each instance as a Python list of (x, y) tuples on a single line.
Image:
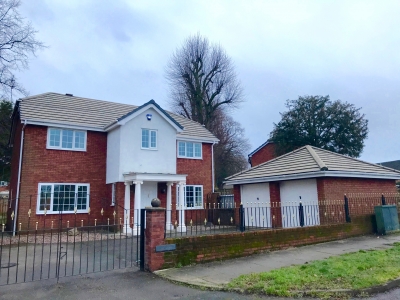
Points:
[(65, 149), (151, 149), (197, 158)]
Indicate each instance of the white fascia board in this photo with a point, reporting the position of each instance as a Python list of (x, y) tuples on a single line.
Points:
[(196, 139), (61, 125), (138, 112), (155, 177), (111, 126), (313, 175)]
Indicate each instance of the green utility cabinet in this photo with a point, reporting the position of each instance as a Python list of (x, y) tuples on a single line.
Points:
[(387, 219)]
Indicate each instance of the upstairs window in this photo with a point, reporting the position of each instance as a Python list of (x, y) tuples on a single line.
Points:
[(149, 139), (66, 139), (189, 150)]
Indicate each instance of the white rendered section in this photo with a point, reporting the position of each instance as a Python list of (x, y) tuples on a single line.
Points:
[(127, 206), (113, 156), (256, 203), (294, 191), (132, 158)]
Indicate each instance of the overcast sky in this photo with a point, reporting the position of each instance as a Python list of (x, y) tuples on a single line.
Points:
[(118, 50)]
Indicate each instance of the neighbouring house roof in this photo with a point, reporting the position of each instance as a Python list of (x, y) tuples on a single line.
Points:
[(53, 109), (309, 162), (395, 164), (259, 148)]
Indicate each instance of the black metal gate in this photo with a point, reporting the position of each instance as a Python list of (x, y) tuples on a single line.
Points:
[(57, 246)]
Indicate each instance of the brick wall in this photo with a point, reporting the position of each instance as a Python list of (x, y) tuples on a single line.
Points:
[(334, 188), (275, 198), (199, 172), (263, 155), (44, 165), (225, 246)]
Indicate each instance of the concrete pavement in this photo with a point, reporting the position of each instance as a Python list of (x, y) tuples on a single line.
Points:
[(216, 274)]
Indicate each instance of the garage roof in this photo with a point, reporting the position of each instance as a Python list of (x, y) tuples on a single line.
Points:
[(310, 162)]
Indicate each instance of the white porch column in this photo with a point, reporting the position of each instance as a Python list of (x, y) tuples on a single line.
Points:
[(169, 206), (127, 206), (182, 207), (138, 196)]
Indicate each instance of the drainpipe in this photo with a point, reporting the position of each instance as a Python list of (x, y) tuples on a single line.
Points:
[(212, 166), (19, 178)]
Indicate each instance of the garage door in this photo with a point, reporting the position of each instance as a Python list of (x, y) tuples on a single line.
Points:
[(294, 191), (256, 203)]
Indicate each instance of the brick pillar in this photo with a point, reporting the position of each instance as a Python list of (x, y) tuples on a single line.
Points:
[(238, 200), (155, 226), (275, 198)]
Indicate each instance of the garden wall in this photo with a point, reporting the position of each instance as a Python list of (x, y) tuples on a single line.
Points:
[(199, 249)]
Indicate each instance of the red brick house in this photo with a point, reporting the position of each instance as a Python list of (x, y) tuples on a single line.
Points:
[(76, 156), (262, 154), (311, 175)]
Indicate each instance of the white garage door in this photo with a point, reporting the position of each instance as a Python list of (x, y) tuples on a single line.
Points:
[(256, 203), (294, 191)]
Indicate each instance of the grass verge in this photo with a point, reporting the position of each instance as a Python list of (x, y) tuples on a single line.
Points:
[(355, 271)]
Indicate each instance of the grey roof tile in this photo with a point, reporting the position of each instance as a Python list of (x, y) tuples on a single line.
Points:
[(310, 160), (96, 114)]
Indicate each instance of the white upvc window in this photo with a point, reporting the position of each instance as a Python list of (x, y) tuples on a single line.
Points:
[(189, 150), (63, 197), (66, 139), (193, 196), (149, 139)]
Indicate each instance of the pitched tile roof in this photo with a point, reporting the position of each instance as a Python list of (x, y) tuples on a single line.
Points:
[(394, 164), (93, 114), (308, 162)]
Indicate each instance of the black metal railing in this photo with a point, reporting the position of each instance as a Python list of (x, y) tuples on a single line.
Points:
[(67, 244), (3, 210), (216, 219)]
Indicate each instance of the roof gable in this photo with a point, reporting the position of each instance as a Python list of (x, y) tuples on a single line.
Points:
[(138, 110), (308, 162)]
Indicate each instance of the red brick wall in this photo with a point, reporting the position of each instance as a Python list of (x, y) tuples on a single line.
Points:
[(155, 224), (263, 155), (198, 170), (275, 197), (44, 165), (334, 188), (199, 249)]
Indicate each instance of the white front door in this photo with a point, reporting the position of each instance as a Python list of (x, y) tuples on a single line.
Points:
[(149, 192)]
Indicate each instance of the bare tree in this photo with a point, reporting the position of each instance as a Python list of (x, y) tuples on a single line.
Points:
[(230, 153), (17, 42), (202, 80), (204, 87)]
